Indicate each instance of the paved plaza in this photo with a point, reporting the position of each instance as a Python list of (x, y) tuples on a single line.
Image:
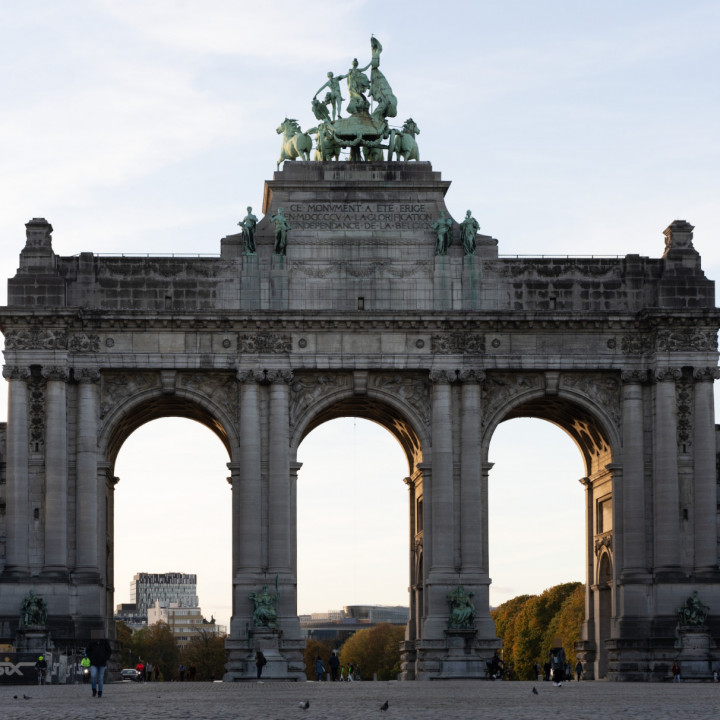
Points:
[(351, 701)]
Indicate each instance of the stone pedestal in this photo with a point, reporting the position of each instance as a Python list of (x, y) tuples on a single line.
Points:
[(279, 283), (32, 639), (471, 283), (250, 283), (442, 283), (695, 645), (241, 658)]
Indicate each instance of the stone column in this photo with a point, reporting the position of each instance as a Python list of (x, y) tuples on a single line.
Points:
[(705, 475), (246, 480), (667, 493), (473, 533), (279, 471), (87, 489), (18, 502), (485, 559), (442, 471), (56, 474), (633, 474)]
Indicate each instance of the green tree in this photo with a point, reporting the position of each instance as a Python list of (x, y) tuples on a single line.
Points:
[(156, 644), (125, 640), (206, 653), (375, 650)]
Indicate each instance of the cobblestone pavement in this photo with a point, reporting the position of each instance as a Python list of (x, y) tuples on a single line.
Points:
[(360, 700)]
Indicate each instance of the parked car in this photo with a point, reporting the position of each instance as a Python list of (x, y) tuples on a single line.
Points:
[(130, 674)]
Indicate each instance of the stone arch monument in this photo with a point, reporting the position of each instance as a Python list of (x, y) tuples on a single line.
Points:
[(357, 294), (362, 317)]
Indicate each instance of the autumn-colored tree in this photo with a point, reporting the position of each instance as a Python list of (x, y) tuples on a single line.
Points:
[(156, 644), (206, 653), (529, 624), (313, 649), (375, 650)]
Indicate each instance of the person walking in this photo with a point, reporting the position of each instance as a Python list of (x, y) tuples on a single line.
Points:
[(578, 670), (319, 669), (676, 672), (333, 664), (181, 671), (556, 658), (99, 652), (260, 663)]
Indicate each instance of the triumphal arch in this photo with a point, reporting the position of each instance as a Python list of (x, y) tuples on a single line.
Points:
[(357, 294)]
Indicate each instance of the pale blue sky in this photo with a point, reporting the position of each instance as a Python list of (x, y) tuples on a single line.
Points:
[(567, 127)]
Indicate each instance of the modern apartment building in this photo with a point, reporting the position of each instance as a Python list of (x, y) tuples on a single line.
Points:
[(167, 588)]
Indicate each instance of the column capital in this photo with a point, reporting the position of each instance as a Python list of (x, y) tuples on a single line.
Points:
[(633, 376), (249, 375), (87, 375), (15, 372), (55, 373), (283, 377), (667, 374), (471, 376), (443, 377), (707, 374)]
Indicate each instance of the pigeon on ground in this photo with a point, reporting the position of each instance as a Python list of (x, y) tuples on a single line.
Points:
[(535, 692), (385, 705), (26, 697), (304, 704)]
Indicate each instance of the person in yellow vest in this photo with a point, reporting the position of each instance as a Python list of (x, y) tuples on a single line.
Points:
[(85, 665)]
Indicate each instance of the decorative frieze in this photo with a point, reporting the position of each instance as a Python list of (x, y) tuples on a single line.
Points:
[(458, 343), (36, 338), (686, 339), (637, 344), (264, 342), (82, 343)]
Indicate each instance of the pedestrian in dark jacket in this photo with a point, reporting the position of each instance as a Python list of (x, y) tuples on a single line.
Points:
[(99, 652)]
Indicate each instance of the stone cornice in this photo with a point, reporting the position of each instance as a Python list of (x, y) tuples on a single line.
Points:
[(83, 323)]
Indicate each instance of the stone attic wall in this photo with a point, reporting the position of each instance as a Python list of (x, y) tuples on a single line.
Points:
[(521, 285)]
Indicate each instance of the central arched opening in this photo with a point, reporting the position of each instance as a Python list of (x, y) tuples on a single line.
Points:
[(352, 517)]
